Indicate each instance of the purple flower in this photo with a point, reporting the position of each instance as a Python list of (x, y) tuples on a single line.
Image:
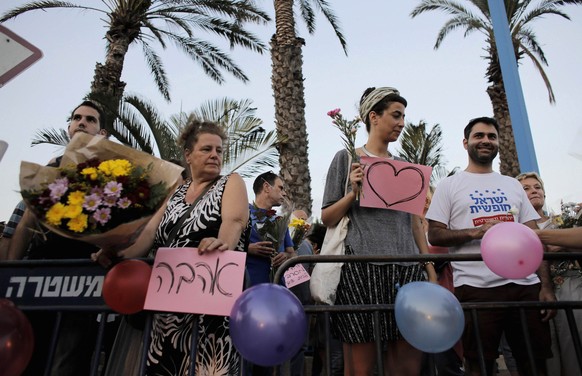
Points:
[(123, 203), (113, 188), (102, 215), (58, 188), (92, 202), (109, 200), (97, 190)]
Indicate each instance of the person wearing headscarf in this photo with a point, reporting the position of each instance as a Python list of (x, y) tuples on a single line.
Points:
[(373, 231)]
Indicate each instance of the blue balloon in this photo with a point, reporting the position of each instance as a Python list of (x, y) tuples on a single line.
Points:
[(429, 316), (268, 324)]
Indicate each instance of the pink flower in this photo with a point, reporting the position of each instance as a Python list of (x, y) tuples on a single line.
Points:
[(92, 202), (58, 188), (109, 200), (113, 188), (333, 113), (123, 203), (102, 215), (97, 190)]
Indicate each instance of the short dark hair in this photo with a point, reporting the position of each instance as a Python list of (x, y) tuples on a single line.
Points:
[(317, 234), (483, 119), (382, 105), (97, 107), (266, 177)]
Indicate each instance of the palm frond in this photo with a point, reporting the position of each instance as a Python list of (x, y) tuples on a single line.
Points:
[(210, 58), (422, 147), (157, 69), (252, 161), (42, 5), (51, 136), (325, 8), (163, 132)]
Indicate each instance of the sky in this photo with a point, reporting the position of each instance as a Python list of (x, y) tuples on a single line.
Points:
[(385, 48)]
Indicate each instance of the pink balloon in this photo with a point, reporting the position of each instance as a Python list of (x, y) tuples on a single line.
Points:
[(512, 250)]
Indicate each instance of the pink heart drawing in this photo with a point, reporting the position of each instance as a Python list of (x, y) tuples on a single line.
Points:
[(391, 194)]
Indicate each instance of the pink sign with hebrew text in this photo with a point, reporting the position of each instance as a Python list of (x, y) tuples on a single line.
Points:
[(396, 185), (184, 281), (296, 275)]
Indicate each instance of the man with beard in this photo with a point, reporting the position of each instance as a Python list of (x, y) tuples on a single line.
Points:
[(464, 207)]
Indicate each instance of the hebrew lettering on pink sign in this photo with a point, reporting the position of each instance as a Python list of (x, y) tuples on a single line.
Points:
[(184, 281), (295, 275), (396, 185)]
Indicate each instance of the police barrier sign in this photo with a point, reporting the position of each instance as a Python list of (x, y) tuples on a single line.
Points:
[(52, 283)]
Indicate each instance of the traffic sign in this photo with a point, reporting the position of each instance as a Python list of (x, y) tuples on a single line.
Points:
[(16, 54)]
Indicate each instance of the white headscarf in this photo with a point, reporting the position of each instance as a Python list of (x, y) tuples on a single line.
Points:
[(373, 98)]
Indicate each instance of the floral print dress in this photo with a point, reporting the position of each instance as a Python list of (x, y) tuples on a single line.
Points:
[(169, 351)]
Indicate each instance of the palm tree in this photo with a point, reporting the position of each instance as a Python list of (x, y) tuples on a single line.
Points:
[(421, 147), (163, 22), (520, 15), (250, 150), (289, 93)]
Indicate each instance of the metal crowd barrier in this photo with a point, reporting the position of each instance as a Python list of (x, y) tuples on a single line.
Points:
[(75, 285)]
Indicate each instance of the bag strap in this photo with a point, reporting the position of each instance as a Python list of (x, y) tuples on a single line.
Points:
[(180, 222)]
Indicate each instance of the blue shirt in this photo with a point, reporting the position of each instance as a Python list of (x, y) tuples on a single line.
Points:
[(259, 267)]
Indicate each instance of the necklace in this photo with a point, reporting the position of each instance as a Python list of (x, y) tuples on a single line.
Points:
[(367, 152)]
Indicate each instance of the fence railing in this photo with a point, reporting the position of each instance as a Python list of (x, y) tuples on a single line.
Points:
[(75, 285)]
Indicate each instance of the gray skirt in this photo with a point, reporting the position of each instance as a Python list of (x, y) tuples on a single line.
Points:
[(363, 284)]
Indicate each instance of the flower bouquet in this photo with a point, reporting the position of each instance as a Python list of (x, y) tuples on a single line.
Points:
[(102, 193), (298, 229), (271, 227)]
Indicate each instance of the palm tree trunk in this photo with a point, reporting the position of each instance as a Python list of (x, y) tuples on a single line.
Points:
[(509, 164), (107, 86), (289, 93)]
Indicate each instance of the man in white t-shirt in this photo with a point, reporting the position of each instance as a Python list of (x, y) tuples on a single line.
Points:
[(466, 205)]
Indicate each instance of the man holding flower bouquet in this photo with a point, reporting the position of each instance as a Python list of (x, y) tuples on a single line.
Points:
[(270, 242), (78, 329)]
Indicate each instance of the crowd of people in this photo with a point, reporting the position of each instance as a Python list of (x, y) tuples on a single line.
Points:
[(206, 212)]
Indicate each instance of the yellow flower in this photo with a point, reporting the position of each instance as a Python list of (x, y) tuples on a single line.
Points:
[(72, 211), (115, 167), (91, 172), (297, 222), (76, 198), (557, 221), (79, 223), (55, 214)]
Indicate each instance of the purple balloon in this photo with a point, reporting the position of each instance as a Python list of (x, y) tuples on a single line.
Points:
[(268, 324), (512, 250)]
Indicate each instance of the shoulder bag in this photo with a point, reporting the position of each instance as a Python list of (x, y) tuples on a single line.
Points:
[(326, 275)]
